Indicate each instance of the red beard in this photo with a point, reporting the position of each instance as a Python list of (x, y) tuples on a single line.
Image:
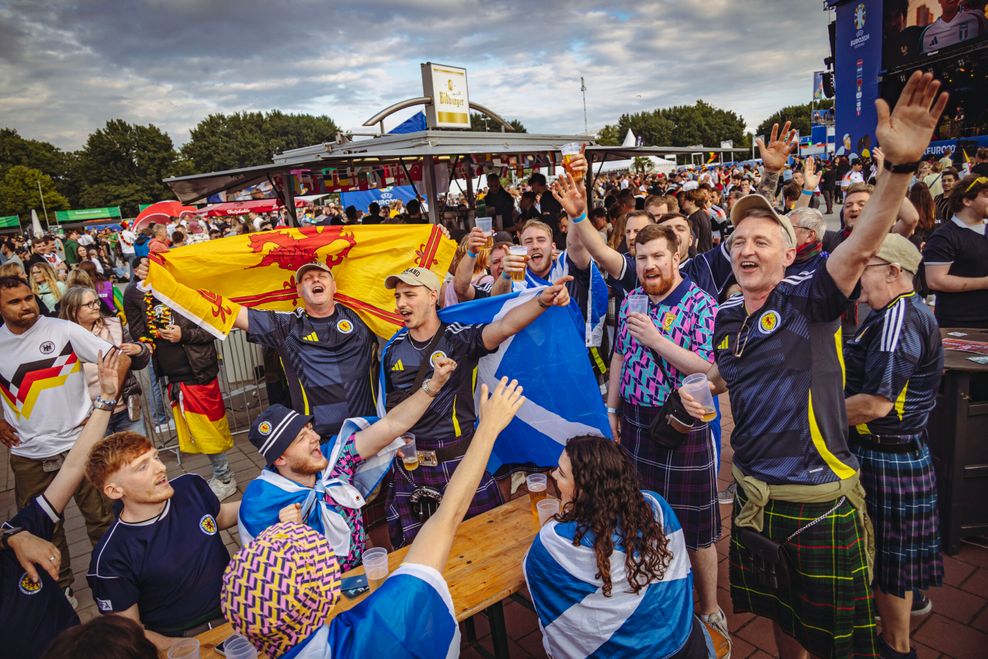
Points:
[(659, 287)]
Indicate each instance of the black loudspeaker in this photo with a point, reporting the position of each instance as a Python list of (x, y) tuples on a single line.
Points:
[(832, 33), (828, 84)]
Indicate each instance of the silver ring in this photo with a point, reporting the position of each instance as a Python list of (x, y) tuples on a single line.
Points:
[(51, 558)]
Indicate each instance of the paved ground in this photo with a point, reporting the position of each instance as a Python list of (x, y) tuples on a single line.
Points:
[(958, 626)]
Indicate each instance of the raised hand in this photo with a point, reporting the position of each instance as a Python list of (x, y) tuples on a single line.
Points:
[(905, 131), (109, 376), (811, 177), (497, 411), (476, 240), (776, 152), (571, 194)]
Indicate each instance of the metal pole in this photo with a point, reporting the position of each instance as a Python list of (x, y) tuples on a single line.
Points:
[(430, 186), (583, 90), (290, 200), (47, 223)]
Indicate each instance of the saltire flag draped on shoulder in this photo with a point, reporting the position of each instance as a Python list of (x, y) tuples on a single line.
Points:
[(549, 359), (578, 620), (590, 321), (208, 282)]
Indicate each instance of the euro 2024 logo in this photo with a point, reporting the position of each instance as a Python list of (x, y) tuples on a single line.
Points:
[(860, 14)]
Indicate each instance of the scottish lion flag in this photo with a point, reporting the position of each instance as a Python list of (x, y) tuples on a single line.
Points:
[(578, 620), (208, 282), (549, 359)]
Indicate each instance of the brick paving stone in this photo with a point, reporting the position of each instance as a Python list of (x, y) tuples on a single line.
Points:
[(740, 648), (758, 633), (956, 571), (951, 637), (956, 604), (977, 582)]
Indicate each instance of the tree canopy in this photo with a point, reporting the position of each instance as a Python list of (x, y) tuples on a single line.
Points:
[(484, 124), (799, 115), (123, 165), (244, 139), (19, 192), (681, 125)]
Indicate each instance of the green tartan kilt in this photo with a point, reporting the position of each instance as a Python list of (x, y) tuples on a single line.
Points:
[(826, 603)]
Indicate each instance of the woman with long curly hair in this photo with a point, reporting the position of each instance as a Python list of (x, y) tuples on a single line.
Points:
[(609, 575)]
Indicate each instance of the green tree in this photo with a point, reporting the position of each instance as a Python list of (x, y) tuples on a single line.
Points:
[(799, 115), (484, 124), (681, 125), (19, 192), (17, 150), (245, 139), (124, 164)]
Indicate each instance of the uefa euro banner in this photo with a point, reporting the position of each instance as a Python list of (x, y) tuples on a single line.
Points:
[(209, 282)]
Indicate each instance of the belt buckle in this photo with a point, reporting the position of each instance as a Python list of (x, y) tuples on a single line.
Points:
[(428, 459)]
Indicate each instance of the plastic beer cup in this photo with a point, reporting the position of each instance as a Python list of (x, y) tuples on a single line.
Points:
[(376, 566), (698, 387)]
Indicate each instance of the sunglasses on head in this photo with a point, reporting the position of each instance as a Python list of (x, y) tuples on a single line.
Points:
[(977, 181)]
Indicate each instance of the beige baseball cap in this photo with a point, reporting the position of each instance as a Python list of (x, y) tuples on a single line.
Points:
[(744, 205), (414, 277), (314, 265), (899, 250)]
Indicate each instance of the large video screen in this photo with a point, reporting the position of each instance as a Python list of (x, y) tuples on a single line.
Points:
[(916, 30)]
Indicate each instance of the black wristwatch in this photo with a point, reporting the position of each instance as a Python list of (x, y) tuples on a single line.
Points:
[(905, 168), (7, 533)]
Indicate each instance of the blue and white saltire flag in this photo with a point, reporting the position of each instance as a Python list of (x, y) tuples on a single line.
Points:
[(409, 615), (266, 495), (549, 359), (589, 321), (577, 620)]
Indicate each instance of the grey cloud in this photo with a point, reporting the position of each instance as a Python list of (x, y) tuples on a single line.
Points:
[(171, 62)]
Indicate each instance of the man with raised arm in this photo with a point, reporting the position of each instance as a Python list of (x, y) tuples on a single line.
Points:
[(801, 543)]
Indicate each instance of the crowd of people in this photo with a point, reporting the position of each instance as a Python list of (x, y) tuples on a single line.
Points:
[(825, 342)]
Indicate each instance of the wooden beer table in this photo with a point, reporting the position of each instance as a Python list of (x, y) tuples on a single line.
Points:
[(484, 568)]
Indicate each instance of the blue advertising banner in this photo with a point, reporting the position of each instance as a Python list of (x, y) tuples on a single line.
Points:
[(363, 198), (859, 58)]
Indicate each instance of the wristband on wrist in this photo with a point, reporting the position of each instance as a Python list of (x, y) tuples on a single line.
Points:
[(579, 218), (101, 403), (612, 410), (505, 274), (808, 193), (472, 255), (904, 168)]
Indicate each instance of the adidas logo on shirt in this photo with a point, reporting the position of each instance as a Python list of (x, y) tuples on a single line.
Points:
[(311, 337), (398, 366)]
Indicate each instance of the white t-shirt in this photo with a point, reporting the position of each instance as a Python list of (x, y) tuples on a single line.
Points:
[(127, 238), (966, 25), (850, 179), (43, 385)]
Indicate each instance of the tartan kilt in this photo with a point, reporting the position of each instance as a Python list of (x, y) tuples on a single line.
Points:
[(403, 525), (686, 477), (902, 504), (827, 603)]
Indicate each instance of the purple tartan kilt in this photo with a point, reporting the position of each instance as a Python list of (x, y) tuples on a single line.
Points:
[(403, 525), (686, 477), (902, 503)]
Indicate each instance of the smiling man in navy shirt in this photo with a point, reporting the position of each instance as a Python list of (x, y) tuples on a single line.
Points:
[(161, 563)]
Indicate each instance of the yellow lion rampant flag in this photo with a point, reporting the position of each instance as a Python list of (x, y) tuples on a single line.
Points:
[(208, 282)]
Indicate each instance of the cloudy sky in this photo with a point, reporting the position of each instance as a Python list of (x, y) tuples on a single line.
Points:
[(68, 67)]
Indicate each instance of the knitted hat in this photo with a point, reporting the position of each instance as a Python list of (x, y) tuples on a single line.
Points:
[(278, 590)]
